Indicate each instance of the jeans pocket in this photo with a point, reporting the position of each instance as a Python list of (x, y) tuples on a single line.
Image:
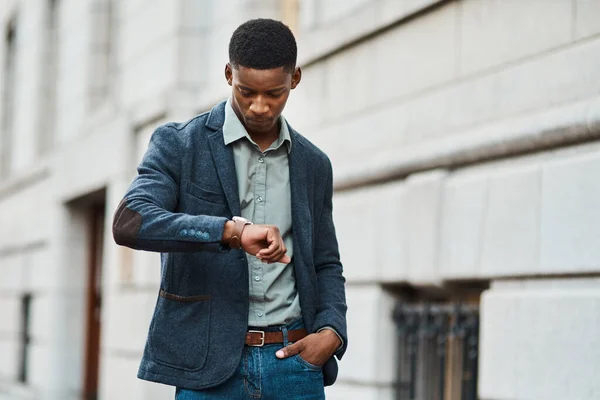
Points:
[(179, 331), (306, 364)]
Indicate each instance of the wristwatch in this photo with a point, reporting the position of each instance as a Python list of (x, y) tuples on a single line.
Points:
[(235, 242)]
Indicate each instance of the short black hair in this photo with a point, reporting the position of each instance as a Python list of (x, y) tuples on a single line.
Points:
[(263, 44)]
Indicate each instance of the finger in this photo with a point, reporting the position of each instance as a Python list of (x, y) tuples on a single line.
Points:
[(277, 258), (267, 254), (280, 256), (277, 254), (273, 245), (289, 350), (272, 254)]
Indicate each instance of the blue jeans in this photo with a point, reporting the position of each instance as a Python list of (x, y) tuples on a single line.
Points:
[(261, 375)]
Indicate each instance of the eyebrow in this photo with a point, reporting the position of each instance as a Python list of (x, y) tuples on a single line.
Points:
[(278, 89)]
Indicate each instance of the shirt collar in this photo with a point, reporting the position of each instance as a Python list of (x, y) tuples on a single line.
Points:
[(234, 130)]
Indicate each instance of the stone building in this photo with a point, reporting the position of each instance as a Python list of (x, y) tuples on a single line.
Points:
[(464, 138)]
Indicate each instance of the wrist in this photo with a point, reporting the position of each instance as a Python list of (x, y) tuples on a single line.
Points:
[(235, 229), (332, 337), (228, 232)]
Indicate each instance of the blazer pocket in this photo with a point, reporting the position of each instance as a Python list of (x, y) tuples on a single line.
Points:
[(179, 331), (205, 194)]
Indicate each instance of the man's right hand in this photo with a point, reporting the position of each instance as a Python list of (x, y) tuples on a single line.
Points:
[(263, 241)]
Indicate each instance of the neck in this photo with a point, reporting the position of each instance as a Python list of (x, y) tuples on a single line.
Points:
[(264, 140)]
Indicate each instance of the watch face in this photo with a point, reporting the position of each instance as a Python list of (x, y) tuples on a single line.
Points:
[(241, 219)]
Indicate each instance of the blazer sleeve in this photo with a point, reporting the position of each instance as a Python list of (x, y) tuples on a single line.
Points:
[(331, 303), (145, 218)]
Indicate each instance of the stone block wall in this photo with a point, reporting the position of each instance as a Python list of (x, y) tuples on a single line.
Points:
[(540, 339)]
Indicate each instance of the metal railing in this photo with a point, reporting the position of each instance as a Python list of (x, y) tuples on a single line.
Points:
[(437, 351)]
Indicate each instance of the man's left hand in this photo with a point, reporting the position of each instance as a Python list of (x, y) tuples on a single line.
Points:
[(315, 348)]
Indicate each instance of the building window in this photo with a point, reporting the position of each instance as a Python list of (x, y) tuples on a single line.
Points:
[(47, 120), (437, 351), (102, 63), (8, 98), (24, 336)]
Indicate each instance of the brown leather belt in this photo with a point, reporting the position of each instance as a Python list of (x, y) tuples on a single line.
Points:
[(260, 338)]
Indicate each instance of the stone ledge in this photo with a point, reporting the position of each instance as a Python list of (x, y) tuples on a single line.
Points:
[(375, 16), (559, 126), (24, 179)]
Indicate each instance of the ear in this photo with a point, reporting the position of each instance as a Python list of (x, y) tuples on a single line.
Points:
[(296, 77), (228, 74)]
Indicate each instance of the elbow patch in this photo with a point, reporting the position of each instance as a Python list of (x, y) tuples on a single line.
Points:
[(126, 224)]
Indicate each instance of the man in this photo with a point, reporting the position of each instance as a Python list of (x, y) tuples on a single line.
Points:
[(228, 324)]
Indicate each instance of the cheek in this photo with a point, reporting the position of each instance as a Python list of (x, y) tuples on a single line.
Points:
[(280, 103), (242, 103)]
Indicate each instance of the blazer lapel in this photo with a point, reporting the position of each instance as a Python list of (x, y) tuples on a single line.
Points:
[(301, 217), (223, 158)]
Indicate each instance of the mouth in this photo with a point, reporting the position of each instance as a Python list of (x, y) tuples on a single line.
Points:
[(260, 121)]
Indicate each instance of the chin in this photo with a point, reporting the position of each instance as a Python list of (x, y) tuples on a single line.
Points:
[(261, 128)]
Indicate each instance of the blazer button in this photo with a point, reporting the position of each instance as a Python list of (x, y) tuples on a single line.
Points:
[(191, 232), (205, 235), (183, 232), (198, 235)]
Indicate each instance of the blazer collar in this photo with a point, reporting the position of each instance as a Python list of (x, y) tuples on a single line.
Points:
[(216, 117)]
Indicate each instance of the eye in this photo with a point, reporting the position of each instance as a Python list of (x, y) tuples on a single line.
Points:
[(245, 93), (275, 95)]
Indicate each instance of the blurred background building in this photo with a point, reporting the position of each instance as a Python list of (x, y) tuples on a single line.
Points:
[(464, 138)]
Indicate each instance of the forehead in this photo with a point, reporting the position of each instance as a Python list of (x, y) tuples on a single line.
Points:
[(261, 78)]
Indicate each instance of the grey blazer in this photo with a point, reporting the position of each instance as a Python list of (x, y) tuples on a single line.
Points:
[(185, 190)]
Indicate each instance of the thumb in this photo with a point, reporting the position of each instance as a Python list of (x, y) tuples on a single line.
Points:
[(285, 259), (289, 350), (270, 236)]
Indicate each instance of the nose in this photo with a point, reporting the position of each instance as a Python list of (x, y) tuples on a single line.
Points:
[(259, 107)]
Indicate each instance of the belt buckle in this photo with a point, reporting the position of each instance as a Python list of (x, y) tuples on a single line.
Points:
[(262, 339)]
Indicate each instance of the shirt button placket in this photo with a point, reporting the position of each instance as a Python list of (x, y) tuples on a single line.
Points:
[(260, 190), (260, 187)]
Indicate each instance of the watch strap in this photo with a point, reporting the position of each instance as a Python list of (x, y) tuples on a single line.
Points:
[(236, 237)]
